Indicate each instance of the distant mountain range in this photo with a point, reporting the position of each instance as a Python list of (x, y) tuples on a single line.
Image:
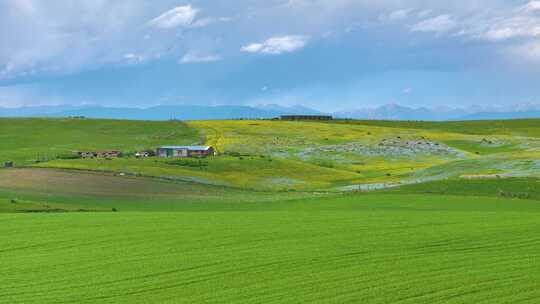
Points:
[(181, 112), (196, 112)]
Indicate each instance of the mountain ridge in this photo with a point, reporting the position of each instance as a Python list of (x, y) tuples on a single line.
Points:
[(268, 111)]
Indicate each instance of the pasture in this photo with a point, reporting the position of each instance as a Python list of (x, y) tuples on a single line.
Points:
[(285, 156), (30, 140), (269, 219), (375, 248)]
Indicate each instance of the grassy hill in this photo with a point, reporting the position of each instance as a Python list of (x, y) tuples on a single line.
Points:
[(269, 219), (278, 156), (27, 140)]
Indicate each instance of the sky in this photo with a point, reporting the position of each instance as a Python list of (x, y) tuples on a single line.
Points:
[(331, 55)]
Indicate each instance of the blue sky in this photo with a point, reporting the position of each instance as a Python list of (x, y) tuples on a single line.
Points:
[(328, 54)]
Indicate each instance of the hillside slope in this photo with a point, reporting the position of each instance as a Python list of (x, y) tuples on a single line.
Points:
[(279, 155)]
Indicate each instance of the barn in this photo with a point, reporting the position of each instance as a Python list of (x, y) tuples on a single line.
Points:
[(184, 151)]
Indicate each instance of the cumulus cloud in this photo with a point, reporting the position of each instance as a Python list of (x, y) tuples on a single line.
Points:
[(56, 37), (40, 38), (195, 57), (277, 45), (176, 17), (439, 24), (532, 6)]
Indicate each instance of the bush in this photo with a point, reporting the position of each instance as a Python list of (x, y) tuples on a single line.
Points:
[(326, 163), (234, 154), (68, 156), (188, 163)]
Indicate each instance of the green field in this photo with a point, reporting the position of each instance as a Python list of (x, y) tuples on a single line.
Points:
[(281, 215), (285, 156), (361, 249), (26, 141)]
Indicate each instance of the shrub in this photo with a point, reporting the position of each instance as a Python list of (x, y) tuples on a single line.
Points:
[(188, 163), (68, 156), (324, 163), (234, 154)]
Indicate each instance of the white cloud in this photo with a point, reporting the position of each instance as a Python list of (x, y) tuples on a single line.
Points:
[(439, 24), (252, 48), (398, 15), (520, 22), (278, 45), (504, 33), (40, 38), (133, 58), (532, 6), (208, 21), (512, 27), (180, 16), (195, 57)]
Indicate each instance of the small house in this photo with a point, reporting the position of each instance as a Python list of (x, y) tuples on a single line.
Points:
[(185, 151)]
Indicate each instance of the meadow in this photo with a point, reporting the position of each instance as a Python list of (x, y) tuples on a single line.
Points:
[(354, 249), (30, 140), (279, 216), (285, 156)]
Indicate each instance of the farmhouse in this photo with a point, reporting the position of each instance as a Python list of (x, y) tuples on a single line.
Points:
[(185, 151), (306, 117)]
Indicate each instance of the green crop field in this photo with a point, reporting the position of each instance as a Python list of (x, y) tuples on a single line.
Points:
[(287, 212), (361, 249)]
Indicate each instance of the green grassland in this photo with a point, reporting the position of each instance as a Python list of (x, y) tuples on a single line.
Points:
[(285, 156), (375, 248), (388, 152), (26, 141), (268, 220)]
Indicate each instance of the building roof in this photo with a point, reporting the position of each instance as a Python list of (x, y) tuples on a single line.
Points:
[(191, 148)]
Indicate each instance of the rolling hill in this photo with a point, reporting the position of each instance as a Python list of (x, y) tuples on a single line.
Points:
[(281, 215)]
